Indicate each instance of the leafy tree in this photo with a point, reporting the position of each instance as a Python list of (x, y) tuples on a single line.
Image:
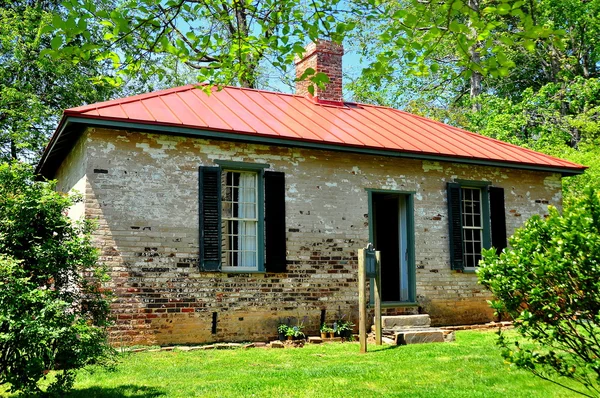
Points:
[(35, 88), (447, 44), (226, 41), (429, 57), (549, 282), (53, 311), (553, 116)]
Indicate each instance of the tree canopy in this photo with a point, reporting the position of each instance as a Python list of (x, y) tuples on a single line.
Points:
[(225, 41), (35, 88)]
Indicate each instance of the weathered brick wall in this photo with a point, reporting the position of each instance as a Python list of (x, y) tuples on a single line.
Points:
[(143, 189)]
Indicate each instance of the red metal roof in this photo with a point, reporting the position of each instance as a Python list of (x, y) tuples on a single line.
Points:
[(271, 115)]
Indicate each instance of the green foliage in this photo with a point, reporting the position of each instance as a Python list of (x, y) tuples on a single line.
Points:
[(447, 46), (225, 42), (588, 155), (560, 119), (35, 88), (53, 310), (558, 114), (549, 283), (290, 330), (420, 50)]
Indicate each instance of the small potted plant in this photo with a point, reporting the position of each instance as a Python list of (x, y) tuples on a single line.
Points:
[(344, 328), (325, 330), (290, 333), (282, 331), (297, 332)]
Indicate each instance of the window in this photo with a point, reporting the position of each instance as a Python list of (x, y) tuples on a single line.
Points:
[(472, 226), (242, 218), (476, 220), (239, 220)]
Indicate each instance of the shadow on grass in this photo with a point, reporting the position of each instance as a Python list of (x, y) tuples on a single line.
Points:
[(126, 390), (383, 347)]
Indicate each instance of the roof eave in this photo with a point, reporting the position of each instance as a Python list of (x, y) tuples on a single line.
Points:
[(41, 168), (70, 120)]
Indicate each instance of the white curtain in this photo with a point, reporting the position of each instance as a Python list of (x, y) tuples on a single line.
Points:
[(247, 229)]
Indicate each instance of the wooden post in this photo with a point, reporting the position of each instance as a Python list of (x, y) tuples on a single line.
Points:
[(362, 301), (377, 298)]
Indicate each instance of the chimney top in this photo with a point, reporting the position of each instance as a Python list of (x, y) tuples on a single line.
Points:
[(323, 56)]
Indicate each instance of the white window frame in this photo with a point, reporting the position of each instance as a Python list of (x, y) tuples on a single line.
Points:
[(225, 253), (473, 228)]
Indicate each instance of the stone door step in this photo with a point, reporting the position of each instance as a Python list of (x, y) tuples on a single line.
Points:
[(412, 329), (431, 335), (405, 321)]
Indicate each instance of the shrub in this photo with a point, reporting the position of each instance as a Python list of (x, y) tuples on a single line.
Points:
[(549, 283), (53, 311)]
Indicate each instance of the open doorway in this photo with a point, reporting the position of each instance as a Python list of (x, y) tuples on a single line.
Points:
[(392, 234)]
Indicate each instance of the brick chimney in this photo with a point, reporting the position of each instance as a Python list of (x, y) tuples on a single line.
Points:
[(323, 56)]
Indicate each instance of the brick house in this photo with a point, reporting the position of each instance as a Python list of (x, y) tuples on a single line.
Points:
[(220, 215)]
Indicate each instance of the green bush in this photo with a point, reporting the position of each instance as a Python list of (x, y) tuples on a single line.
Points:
[(549, 282), (53, 310)]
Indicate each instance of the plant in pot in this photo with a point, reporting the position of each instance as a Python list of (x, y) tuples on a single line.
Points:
[(290, 333), (326, 330), (294, 332), (282, 331), (343, 327), (297, 332)]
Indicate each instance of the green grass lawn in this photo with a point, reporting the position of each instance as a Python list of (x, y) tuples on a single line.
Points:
[(470, 367)]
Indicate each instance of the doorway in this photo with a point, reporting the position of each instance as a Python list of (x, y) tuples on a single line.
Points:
[(391, 232)]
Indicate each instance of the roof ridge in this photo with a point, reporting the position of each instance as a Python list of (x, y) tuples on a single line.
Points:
[(159, 93), (132, 98)]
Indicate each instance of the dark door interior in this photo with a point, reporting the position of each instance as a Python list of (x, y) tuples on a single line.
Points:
[(387, 240)]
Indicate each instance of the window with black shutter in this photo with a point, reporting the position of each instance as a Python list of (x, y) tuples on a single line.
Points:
[(242, 218), (476, 220)]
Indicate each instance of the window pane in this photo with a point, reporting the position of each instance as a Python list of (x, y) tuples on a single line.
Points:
[(248, 210), (469, 261), (477, 247), (468, 234), (227, 210), (476, 220), (477, 235)]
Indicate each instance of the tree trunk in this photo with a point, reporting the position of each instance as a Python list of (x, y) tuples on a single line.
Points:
[(13, 149), (476, 77)]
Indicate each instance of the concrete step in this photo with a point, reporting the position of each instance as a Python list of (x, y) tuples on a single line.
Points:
[(412, 329), (405, 321), (432, 335)]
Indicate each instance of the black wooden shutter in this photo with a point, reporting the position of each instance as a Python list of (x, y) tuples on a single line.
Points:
[(210, 218), (455, 225), (275, 221), (497, 218)]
